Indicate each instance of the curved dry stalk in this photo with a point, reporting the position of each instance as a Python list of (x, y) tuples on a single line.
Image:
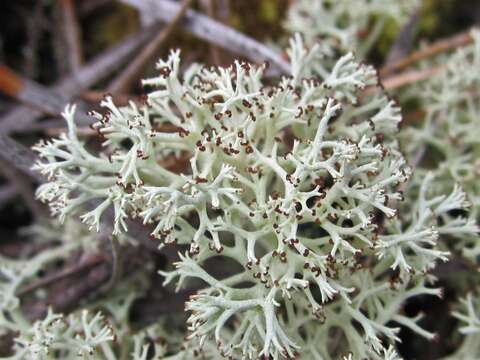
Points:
[(433, 49), (213, 32), (133, 71)]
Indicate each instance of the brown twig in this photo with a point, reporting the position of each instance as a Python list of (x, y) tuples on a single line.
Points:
[(69, 298), (215, 53), (67, 292), (436, 48), (409, 77), (30, 93), (405, 78), (133, 71), (66, 272), (72, 35), (214, 32), (10, 83), (103, 65), (404, 41)]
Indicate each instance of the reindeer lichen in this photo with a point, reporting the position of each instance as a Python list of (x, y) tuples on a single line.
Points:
[(295, 184)]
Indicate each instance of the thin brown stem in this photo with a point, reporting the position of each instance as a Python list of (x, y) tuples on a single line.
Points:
[(67, 299), (404, 41), (213, 32), (409, 77), (96, 70), (436, 48), (133, 71), (66, 272), (34, 95), (215, 53), (405, 78), (72, 35)]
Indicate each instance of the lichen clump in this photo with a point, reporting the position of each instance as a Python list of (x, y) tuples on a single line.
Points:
[(294, 185)]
